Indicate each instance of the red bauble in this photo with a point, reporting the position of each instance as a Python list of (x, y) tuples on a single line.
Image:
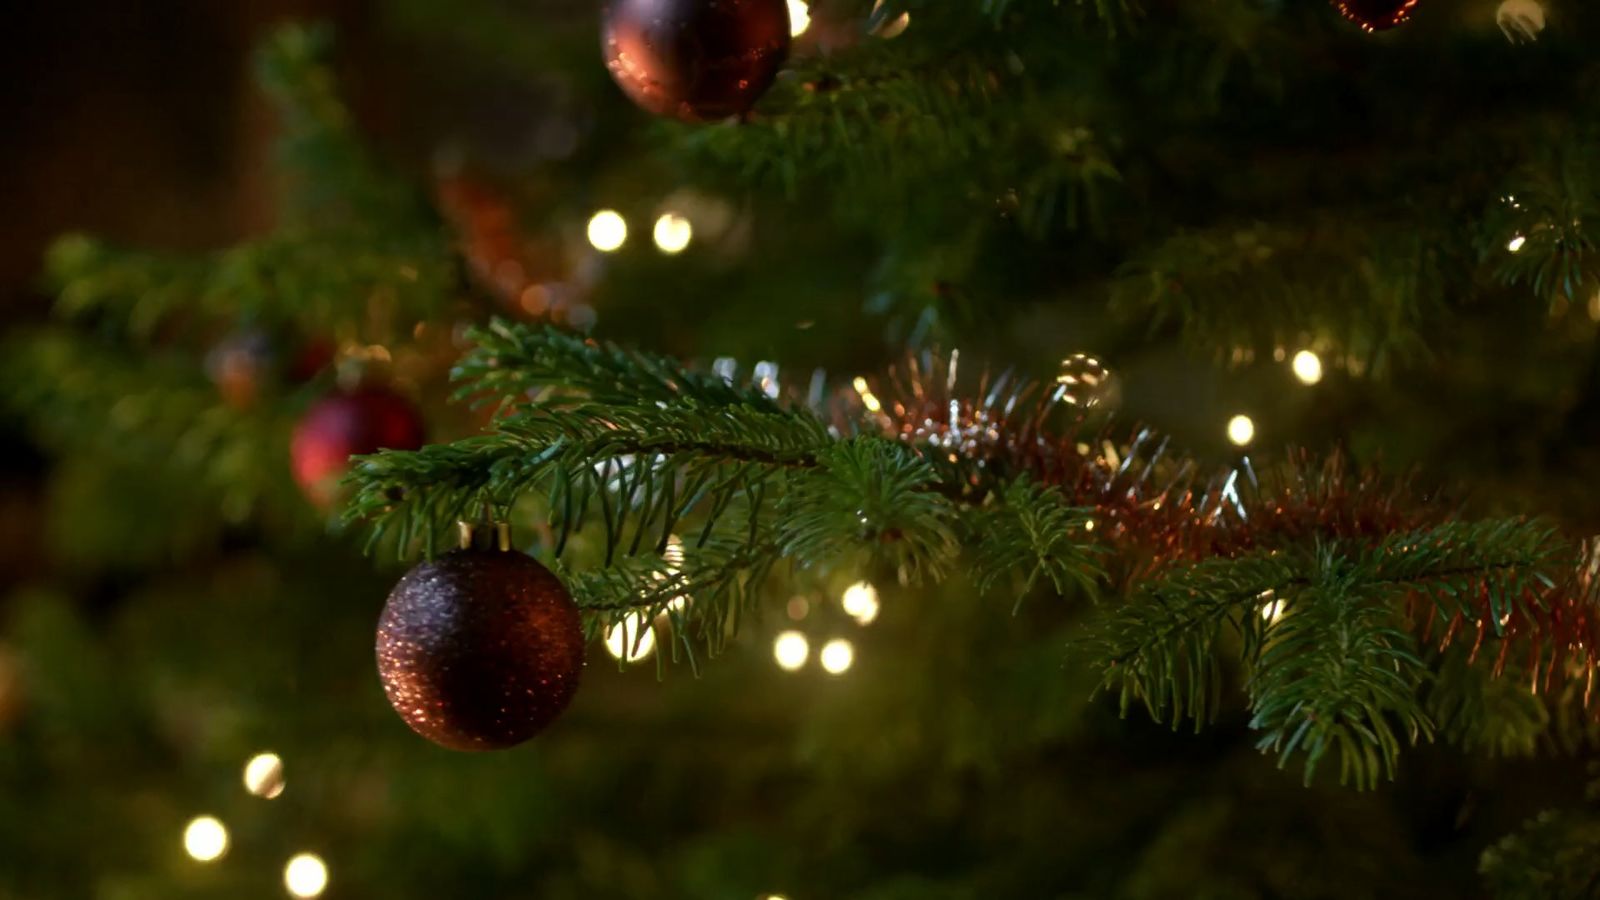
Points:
[(695, 60), (480, 649), (349, 424), (1376, 15)]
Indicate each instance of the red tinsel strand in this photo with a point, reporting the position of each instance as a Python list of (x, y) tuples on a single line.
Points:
[(1159, 508)]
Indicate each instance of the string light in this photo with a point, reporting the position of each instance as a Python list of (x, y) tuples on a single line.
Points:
[(1272, 609), (306, 875), (672, 233), (607, 230), (625, 640), (799, 18), (837, 656), (263, 775), (791, 650), (1241, 430), (205, 838), (1516, 243), (1307, 367), (860, 602), (868, 399)]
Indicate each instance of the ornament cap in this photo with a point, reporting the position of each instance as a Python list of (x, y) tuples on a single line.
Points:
[(487, 535)]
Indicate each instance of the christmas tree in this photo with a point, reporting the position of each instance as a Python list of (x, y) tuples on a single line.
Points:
[(919, 448)]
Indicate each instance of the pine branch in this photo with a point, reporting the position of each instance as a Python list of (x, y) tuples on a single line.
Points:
[(1555, 856), (1327, 638), (1033, 531)]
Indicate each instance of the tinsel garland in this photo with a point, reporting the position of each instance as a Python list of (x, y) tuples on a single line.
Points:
[(1156, 507)]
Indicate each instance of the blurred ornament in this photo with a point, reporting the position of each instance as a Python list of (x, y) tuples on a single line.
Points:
[(480, 649), (1087, 384), (1376, 15), (695, 60), (240, 364), (1520, 20), (346, 424), (251, 360)]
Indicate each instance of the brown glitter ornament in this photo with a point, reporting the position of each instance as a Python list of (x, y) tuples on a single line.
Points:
[(480, 649), (695, 60), (1376, 15)]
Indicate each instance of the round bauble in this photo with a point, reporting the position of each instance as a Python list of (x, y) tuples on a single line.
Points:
[(695, 60), (346, 424), (1376, 15), (1085, 382), (480, 649)]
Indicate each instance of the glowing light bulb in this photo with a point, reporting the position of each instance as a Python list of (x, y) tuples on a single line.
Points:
[(626, 642), (860, 602), (868, 399), (799, 18), (205, 838), (607, 230), (1516, 243), (306, 875), (1307, 367), (263, 775), (672, 233), (837, 656), (791, 650), (1241, 430), (1272, 609)]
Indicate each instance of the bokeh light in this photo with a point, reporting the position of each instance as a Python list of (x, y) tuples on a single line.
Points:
[(1307, 367), (860, 602), (837, 656), (306, 875), (205, 838), (630, 640), (672, 233), (799, 18), (263, 775), (607, 230), (1241, 430), (1516, 243), (791, 650)]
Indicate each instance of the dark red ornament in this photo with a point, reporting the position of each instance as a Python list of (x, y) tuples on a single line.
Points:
[(480, 649), (695, 60), (1376, 15), (348, 424)]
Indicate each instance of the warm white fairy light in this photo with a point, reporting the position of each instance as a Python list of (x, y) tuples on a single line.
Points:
[(860, 602), (791, 650), (263, 775), (205, 838), (1516, 243), (868, 399), (306, 875), (1307, 367), (1272, 608), (799, 18), (1241, 430), (672, 233), (673, 557), (837, 656), (627, 642), (607, 230)]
